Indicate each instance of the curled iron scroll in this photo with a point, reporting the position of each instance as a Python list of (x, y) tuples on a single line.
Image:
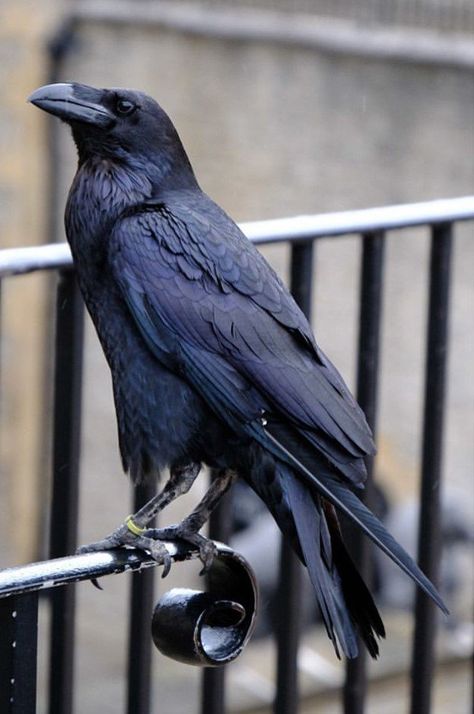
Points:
[(209, 628)]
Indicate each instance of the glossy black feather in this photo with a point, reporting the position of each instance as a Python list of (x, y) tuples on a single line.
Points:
[(347, 502), (246, 316), (310, 526), (211, 359), (207, 325)]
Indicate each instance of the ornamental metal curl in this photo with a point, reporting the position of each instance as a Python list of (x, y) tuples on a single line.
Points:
[(206, 628), (209, 628)]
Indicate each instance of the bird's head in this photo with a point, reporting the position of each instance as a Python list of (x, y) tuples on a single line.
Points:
[(118, 124)]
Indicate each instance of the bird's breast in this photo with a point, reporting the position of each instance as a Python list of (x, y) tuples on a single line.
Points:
[(101, 191)]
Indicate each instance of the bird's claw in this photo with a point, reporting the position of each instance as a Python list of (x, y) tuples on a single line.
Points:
[(159, 552), (118, 537), (123, 536), (207, 553), (151, 539), (206, 547)]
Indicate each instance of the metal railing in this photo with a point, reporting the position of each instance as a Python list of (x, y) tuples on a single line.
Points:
[(19, 601)]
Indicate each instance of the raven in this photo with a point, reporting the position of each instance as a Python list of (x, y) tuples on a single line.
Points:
[(212, 361)]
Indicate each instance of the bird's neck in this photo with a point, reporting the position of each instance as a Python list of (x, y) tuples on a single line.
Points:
[(102, 189)]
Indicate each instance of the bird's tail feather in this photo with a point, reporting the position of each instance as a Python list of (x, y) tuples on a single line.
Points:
[(308, 523), (346, 606), (338, 494), (359, 600)]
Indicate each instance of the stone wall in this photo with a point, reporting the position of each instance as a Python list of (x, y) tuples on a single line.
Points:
[(23, 184)]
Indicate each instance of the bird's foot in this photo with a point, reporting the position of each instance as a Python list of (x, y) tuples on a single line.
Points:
[(129, 534), (182, 531)]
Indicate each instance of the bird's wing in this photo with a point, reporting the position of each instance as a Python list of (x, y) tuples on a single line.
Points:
[(246, 354), (202, 288)]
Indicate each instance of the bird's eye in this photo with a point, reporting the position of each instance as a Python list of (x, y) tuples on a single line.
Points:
[(125, 107)]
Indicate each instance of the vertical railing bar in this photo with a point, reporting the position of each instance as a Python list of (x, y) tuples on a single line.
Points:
[(65, 486), (18, 653), (287, 631), (214, 679), (66, 421), (289, 589), (370, 314), (139, 634), (213, 690), (58, 48), (429, 541)]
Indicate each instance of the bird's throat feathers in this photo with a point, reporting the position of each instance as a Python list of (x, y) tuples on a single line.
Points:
[(107, 188), (112, 184), (160, 162)]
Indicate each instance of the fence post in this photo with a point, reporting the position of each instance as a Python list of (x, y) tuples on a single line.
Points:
[(65, 488), (429, 529), (18, 653)]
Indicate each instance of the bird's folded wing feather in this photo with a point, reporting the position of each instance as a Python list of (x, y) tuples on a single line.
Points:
[(187, 282), (206, 301)]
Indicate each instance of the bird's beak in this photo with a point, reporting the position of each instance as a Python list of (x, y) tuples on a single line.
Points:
[(73, 103)]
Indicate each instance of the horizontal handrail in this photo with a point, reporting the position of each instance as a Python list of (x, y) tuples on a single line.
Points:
[(57, 256), (88, 566), (365, 220), (53, 256)]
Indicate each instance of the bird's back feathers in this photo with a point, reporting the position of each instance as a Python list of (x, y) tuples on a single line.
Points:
[(183, 280)]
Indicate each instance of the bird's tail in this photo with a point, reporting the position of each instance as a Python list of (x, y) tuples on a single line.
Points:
[(310, 524), (359, 600), (345, 602), (320, 479)]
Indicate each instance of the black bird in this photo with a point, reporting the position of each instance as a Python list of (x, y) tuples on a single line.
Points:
[(212, 361)]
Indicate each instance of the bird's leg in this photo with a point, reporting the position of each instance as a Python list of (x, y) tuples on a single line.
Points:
[(180, 481), (133, 531), (188, 529)]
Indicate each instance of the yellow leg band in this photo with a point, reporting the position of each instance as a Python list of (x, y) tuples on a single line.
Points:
[(132, 526)]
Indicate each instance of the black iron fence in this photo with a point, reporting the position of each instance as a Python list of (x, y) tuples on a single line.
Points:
[(20, 587)]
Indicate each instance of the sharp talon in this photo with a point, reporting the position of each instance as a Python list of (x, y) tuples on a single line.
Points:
[(166, 566), (158, 552), (124, 536), (207, 553), (96, 584), (207, 565), (206, 548)]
